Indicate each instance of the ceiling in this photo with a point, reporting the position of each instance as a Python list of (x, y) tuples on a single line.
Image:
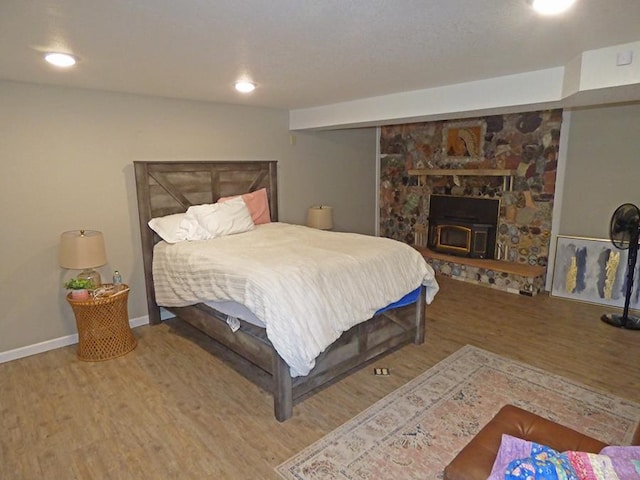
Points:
[(301, 53)]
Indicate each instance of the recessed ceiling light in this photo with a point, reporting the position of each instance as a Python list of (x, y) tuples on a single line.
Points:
[(245, 86), (551, 7), (60, 59)]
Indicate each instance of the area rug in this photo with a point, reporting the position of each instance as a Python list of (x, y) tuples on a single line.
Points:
[(415, 431)]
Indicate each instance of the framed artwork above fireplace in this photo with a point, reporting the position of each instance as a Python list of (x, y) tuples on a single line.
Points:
[(464, 140)]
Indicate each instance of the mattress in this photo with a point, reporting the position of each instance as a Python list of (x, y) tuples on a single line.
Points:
[(306, 286), (237, 310)]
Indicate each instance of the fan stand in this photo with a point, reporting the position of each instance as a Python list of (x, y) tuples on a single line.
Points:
[(625, 320), (630, 322)]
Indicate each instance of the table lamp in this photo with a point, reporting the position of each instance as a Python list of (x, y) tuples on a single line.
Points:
[(320, 217), (83, 250)]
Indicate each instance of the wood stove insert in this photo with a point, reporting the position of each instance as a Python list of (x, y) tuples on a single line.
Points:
[(463, 226)]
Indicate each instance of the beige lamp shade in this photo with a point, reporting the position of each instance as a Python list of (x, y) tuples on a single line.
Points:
[(320, 217), (82, 249)]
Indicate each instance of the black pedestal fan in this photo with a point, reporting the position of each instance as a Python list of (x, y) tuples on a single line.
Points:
[(624, 232)]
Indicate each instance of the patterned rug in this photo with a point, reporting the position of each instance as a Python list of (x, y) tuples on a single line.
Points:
[(418, 429)]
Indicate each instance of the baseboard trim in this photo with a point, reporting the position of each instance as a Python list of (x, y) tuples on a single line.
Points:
[(52, 344)]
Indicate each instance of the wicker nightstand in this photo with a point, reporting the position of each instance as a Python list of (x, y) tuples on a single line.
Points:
[(103, 326)]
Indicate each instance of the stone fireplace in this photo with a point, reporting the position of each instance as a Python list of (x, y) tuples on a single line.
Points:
[(513, 165), (463, 226)]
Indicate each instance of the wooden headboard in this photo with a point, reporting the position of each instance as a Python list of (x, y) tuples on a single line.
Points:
[(168, 187)]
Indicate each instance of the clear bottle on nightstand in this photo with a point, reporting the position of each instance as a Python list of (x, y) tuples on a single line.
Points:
[(117, 281)]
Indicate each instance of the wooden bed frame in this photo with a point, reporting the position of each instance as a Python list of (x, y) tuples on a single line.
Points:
[(168, 187)]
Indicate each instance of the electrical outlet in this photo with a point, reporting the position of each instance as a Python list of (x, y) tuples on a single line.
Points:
[(624, 58)]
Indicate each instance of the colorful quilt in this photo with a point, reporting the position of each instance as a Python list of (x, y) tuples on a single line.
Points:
[(519, 459)]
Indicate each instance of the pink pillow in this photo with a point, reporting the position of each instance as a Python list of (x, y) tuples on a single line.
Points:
[(258, 204)]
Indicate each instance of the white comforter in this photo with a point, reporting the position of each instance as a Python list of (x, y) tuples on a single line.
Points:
[(306, 285)]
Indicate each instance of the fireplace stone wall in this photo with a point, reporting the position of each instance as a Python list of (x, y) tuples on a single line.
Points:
[(524, 144)]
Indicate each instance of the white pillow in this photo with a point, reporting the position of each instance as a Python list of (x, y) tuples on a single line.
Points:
[(220, 219), (190, 229), (168, 227)]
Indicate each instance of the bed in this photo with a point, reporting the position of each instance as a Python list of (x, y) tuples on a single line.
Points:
[(166, 188)]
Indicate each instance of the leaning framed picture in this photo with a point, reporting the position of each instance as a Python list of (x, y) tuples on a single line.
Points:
[(592, 270), (464, 140)]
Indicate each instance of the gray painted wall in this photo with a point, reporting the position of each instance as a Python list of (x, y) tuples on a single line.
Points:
[(602, 168), (67, 164)]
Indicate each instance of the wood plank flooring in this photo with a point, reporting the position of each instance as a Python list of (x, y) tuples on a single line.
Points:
[(171, 410)]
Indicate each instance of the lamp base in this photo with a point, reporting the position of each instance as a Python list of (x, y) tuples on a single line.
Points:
[(630, 323), (91, 275)]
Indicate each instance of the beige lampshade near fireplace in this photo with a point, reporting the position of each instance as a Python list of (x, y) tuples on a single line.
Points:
[(320, 217), (83, 250)]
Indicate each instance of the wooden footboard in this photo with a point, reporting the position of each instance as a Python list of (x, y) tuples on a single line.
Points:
[(357, 346)]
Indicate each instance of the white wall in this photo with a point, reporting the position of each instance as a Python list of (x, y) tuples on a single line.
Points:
[(592, 78), (67, 164)]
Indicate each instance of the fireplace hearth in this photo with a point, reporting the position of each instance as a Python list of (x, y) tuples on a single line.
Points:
[(463, 226)]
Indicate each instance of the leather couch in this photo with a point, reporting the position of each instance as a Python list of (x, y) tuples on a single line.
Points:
[(475, 460)]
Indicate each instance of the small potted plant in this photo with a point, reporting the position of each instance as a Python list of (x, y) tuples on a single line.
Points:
[(79, 288)]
